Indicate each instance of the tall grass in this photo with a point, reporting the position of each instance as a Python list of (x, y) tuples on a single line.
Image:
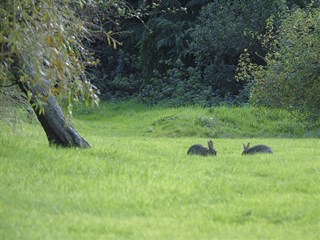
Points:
[(137, 182)]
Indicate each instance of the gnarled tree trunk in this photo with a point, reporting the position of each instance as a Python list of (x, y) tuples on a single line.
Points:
[(59, 130)]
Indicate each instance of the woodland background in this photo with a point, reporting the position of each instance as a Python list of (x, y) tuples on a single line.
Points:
[(209, 53), (163, 52)]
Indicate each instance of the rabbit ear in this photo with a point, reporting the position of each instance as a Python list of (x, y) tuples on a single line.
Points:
[(246, 146)]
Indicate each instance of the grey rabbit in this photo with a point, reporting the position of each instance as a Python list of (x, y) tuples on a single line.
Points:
[(198, 149), (256, 149)]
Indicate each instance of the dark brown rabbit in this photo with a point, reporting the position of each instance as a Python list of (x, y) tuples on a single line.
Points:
[(198, 149), (256, 149)]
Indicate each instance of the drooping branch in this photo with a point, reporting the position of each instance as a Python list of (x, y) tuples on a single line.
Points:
[(10, 85)]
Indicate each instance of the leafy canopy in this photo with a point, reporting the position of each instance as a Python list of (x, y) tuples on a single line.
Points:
[(41, 44)]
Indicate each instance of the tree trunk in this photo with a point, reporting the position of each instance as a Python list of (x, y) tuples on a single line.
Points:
[(59, 130)]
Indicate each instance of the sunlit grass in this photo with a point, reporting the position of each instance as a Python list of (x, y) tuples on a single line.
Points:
[(139, 183), (218, 122)]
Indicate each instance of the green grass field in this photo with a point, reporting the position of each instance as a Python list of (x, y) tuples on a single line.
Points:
[(136, 182)]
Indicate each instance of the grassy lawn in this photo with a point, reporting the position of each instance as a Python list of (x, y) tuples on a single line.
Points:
[(136, 182)]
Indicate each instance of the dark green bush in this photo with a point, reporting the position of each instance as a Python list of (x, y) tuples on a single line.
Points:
[(291, 77), (177, 87), (224, 30)]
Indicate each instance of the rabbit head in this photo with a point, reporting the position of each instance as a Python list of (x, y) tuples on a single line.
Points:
[(246, 147), (211, 150)]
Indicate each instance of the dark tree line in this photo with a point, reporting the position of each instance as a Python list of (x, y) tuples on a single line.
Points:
[(180, 52)]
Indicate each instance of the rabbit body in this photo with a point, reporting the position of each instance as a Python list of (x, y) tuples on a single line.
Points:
[(198, 149), (256, 149)]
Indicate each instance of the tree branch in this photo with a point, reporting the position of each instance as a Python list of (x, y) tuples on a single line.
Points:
[(10, 85)]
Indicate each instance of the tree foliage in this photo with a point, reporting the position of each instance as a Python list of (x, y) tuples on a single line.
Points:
[(154, 38), (290, 77), (224, 29), (206, 37), (174, 52), (43, 40), (41, 51)]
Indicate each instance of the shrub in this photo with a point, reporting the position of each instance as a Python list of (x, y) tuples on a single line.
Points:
[(291, 76), (225, 28), (178, 86)]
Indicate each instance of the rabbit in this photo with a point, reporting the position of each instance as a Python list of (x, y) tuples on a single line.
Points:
[(198, 149), (256, 149)]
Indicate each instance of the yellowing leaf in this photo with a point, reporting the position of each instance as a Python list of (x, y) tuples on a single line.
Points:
[(49, 41)]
